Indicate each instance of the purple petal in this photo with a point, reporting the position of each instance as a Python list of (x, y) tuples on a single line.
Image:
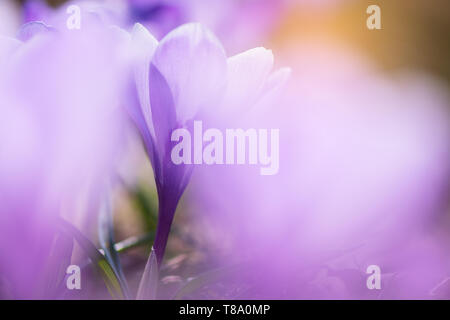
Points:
[(193, 62), (143, 46), (163, 112), (35, 10)]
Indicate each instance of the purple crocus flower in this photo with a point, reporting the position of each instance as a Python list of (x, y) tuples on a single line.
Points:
[(180, 79)]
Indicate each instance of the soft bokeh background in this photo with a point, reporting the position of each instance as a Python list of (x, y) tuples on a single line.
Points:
[(364, 161)]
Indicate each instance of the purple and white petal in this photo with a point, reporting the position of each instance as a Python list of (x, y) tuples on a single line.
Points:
[(193, 62)]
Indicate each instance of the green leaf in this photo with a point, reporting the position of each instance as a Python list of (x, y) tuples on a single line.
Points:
[(98, 260), (106, 239), (146, 203), (149, 281)]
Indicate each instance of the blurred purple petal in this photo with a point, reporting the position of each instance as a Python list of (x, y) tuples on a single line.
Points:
[(31, 29), (36, 10)]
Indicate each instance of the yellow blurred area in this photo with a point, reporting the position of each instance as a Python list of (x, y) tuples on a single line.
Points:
[(414, 34)]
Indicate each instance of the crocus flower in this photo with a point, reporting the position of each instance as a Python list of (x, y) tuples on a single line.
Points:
[(180, 79)]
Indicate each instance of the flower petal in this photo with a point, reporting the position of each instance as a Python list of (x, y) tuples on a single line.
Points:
[(36, 10), (143, 48), (247, 74), (193, 62), (164, 116), (31, 29), (7, 47), (276, 80), (271, 90)]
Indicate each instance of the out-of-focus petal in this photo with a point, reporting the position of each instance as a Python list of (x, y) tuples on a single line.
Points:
[(31, 29), (10, 18), (7, 47), (193, 62), (35, 10)]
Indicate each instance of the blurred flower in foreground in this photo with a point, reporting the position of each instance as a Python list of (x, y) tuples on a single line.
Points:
[(364, 167), (179, 80), (59, 133)]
